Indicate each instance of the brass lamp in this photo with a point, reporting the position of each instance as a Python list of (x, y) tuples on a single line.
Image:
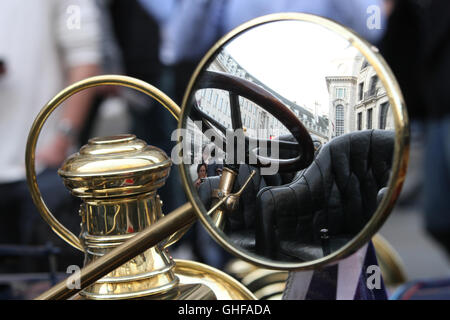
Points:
[(117, 177)]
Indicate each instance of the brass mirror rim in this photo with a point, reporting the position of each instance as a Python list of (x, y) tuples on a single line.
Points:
[(42, 117), (401, 149)]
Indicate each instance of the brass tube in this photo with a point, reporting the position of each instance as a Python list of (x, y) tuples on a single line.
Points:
[(225, 188), (144, 240)]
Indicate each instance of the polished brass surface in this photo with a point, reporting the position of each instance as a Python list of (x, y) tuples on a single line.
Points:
[(239, 268), (225, 202), (259, 278), (225, 187), (401, 149), (224, 286), (115, 166), (227, 180), (391, 264), (183, 292), (42, 117), (194, 292), (198, 281), (232, 202), (265, 284), (142, 241), (109, 223), (117, 178), (271, 292)]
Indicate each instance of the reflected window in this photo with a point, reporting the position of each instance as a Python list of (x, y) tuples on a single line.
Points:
[(361, 92), (373, 86), (369, 118), (383, 115), (360, 121), (340, 93), (339, 120)]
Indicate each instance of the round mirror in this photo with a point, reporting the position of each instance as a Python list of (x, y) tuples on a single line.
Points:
[(293, 141)]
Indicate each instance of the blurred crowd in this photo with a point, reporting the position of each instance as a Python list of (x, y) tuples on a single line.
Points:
[(46, 45)]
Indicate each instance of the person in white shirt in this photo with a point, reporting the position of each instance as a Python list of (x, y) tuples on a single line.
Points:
[(44, 46)]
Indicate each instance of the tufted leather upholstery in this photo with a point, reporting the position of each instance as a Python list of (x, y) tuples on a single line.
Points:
[(338, 192), (240, 226)]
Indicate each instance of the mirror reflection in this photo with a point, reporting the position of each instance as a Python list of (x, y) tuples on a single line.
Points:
[(302, 108)]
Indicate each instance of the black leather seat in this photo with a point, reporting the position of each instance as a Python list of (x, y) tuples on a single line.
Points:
[(240, 226), (337, 192)]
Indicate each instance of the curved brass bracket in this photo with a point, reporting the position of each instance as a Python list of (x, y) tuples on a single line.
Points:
[(42, 117)]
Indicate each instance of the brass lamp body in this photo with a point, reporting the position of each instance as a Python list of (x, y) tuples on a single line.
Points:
[(117, 178), (106, 225)]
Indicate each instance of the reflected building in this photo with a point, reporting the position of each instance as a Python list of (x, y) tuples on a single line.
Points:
[(357, 99), (257, 122), (372, 109)]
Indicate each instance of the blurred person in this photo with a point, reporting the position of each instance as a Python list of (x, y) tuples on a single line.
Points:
[(137, 34), (137, 37), (190, 27), (417, 48), (111, 63), (366, 17), (45, 46), (201, 174)]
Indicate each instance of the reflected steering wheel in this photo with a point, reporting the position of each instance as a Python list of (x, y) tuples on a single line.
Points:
[(303, 148)]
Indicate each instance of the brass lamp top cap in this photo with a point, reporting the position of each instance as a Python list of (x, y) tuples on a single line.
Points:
[(115, 166)]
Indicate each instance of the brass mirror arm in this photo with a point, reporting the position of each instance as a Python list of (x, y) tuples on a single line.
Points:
[(238, 194), (151, 236), (45, 113), (391, 263), (175, 236)]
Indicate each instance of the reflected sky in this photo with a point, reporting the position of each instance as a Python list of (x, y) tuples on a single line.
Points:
[(301, 55)]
